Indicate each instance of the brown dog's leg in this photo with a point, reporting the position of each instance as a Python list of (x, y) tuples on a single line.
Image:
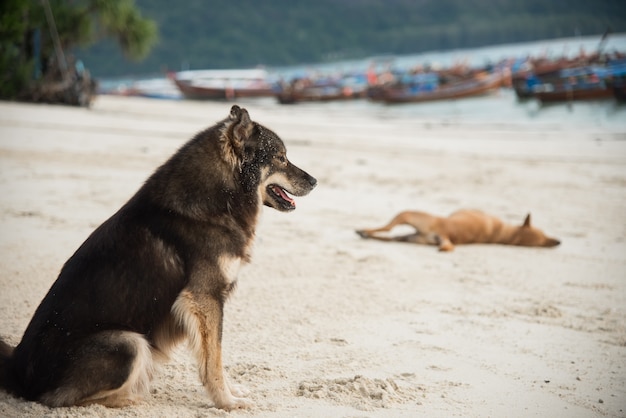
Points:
[(446, 245), (442, 242), (400, 219), (112, 368), (201, 317), (423, 224)]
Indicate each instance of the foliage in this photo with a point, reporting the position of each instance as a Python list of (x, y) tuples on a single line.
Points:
[(222, 33), (23, 26), (121, 21), (15, 69)]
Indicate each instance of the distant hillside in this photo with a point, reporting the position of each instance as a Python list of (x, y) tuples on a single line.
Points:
[(199, 34)]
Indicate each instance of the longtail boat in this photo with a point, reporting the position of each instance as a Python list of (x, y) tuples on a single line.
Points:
[(347, 87), (480, 84), (222, 84), (582, 83)]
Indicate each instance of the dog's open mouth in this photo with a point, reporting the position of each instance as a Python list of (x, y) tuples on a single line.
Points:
[(281, 196)]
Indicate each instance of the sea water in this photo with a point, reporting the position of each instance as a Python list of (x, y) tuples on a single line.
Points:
[(501, 107)]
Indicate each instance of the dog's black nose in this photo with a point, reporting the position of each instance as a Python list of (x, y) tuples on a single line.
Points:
[(312, 181)]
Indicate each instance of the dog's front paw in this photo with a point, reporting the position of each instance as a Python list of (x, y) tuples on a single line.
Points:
[(238, 391), (235, 403), (362, 233)]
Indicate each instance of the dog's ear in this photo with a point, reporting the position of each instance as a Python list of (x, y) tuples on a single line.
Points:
[(241, 126), (237, 129), (527, 221)]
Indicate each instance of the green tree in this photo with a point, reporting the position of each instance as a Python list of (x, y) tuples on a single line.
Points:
[(28, 57), (15, 68)]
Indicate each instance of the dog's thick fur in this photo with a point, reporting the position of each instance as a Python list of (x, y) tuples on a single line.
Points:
[(462, 227), (157, 272)]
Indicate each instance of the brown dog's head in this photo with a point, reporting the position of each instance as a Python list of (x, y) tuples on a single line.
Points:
[(528, 236), (262, 158)]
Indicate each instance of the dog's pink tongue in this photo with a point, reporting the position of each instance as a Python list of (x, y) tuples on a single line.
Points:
[(284, 195)]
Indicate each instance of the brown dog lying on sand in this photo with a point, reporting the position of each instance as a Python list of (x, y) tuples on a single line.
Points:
[(462, 227)]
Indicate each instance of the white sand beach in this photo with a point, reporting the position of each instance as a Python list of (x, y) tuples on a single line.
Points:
[(323, 323)]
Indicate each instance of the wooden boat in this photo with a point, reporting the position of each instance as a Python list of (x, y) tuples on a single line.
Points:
[(535, 72), (153, 88), (222, 84), (323, 90), (524, 83), (406, 93), (582, 83), (317, 94), (548, 93)]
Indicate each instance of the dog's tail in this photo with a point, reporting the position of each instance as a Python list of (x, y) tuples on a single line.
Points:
[(6, 351)]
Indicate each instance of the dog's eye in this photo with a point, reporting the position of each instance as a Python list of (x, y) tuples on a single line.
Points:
[(282, 159)]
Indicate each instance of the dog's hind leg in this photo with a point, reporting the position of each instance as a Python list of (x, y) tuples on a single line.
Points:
[(112, 368), (442, 242), (399, 219), (418, 220), (446, 245), (416, 238), (371, 233), (201, 317)]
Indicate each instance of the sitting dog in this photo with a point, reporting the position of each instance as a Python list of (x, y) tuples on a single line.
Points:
[(157, 272), (462, 227)]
